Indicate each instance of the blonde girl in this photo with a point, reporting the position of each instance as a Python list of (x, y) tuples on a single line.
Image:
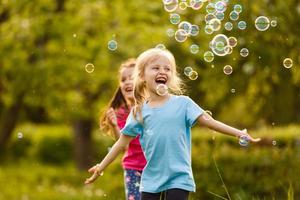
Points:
[(164, 124)]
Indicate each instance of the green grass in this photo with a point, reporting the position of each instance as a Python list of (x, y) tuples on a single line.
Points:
[(261, 171)]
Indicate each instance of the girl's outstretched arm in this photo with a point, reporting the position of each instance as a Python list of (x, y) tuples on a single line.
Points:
[(119, 146), (206, 120)]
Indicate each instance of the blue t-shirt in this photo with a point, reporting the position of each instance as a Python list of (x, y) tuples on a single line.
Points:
[(165, 137)]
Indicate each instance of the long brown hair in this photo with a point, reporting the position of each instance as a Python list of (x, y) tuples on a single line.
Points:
[(116, 101), (140, 92)]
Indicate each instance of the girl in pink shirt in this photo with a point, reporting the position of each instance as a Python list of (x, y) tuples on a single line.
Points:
[(114, 119)]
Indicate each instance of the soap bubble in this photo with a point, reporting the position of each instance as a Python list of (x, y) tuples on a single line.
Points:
[(112, 45), (170, 5), (194, 48), (262, 23), (162, 89), (242, 25), (244, 140), (227, 70), (244, 52), (208, 56), (228, 26), (287, 63), (193, 75), (174, 18), (89, 68), (180, 35), (218, 44)]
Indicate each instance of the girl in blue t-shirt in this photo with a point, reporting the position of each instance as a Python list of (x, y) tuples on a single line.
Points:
[(163, 118)]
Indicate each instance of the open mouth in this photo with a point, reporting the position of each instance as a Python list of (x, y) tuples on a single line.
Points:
[(128, 89), (161, 80)]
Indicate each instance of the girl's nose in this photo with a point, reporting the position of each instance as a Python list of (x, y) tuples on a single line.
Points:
[(162, 71)]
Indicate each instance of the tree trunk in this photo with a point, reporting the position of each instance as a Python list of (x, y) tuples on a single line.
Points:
[(8, 121), (83, 152)]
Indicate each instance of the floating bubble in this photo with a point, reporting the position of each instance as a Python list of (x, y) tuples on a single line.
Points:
[(210, 8), (187, 71), (20, 135), (244, 140), (183, 5), (208, 56), (232, 90), (228, 49), (170, 32), (193, 75), (244, 52), (194, 48), (242, 25), (167, 1), (174, 18), (234, 15), (227, 70), (262, 23), (112, 45), (194, 30), (287, 63), (160, 46), (273, 23), (208, 29), (228, 26), (161, 89), (232, 41), (185, 26), (209, 17), (196, 4), (89, 68), (171, 5), (238, 8), (218, 44), (74, 35), (215, 24), (221, 6), (219, 15), (180, 35)]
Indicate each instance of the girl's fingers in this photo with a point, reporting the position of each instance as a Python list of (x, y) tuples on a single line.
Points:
[(92, 169), (91, 179), (256, 140)]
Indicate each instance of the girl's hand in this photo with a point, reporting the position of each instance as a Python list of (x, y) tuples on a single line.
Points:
[(96, 172), (251, 139), (111, 116)]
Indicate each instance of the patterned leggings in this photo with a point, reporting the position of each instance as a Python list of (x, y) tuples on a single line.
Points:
[(132, 179)]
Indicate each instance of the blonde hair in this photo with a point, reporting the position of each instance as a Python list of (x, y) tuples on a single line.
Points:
[(140, 93), (116, 101)]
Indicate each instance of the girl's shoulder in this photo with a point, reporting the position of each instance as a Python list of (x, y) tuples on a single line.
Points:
[(181, 97)]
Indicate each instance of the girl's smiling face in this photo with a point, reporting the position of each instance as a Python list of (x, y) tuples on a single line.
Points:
[(157, 72), (126, 83)]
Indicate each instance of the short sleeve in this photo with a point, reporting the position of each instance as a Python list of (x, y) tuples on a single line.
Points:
[(193, 111), (132, 126)]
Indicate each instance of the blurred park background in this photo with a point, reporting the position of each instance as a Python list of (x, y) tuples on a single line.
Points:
[(50, 104)]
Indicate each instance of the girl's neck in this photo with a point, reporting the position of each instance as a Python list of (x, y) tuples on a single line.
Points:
[(155, 99), (129, 102)]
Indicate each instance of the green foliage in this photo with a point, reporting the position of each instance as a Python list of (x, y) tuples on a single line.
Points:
[(54, 150)]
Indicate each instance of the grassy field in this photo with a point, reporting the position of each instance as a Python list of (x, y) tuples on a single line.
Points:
[(222, 169)]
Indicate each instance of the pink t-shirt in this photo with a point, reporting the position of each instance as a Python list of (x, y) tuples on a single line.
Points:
[(134, 157)]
